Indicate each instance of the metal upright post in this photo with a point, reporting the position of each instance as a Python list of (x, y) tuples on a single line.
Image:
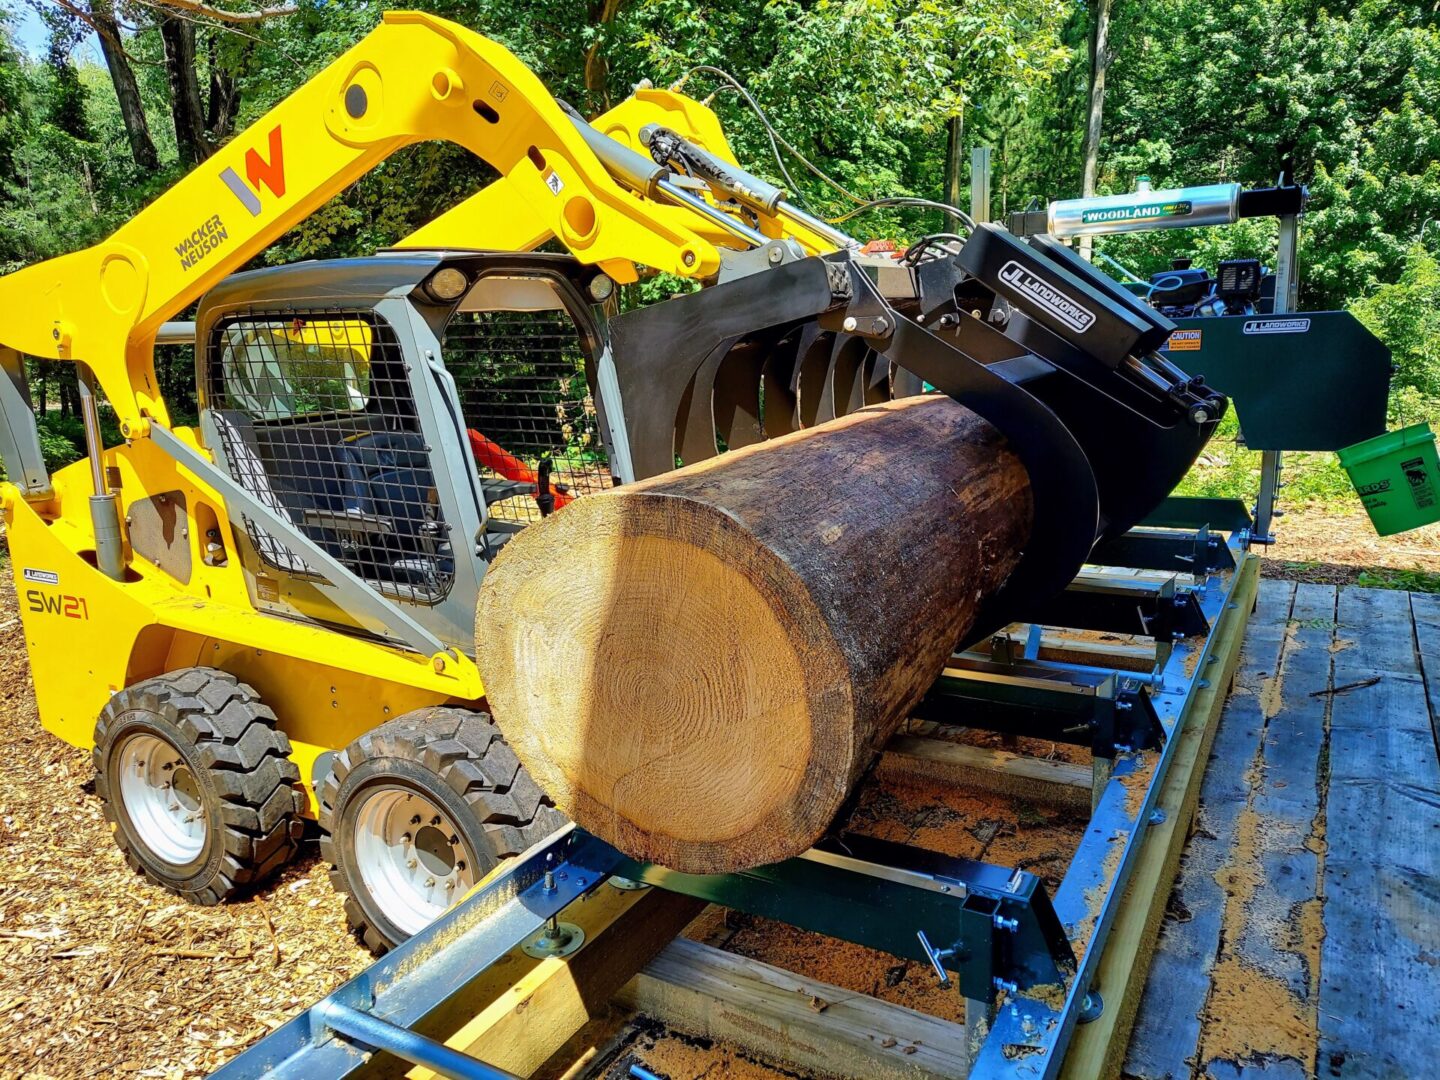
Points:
[(1286, 290), (979, 1019), (980, 183)]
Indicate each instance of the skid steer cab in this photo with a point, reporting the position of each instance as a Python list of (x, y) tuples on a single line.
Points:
[(406, 431)]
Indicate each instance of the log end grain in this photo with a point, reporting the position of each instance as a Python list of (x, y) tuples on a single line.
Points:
[(715, 649)]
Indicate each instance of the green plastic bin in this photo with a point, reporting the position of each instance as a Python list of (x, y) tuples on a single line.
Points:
[(1398, 477)]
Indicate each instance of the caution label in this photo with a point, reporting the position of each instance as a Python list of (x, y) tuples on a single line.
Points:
[(1185, 341)]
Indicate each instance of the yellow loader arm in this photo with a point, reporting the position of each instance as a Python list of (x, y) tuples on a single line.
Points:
[(414, 78), (489, 214)]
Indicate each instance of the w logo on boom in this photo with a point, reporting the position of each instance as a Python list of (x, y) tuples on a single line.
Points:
[(259, 171)]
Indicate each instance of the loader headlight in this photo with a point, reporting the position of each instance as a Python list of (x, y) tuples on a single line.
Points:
[(602, 287), (447, 284)]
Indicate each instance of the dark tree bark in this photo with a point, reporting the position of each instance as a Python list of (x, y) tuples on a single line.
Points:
[(1099, 64), (127, 91), (186, 105), (954, 155), (597, 68), (223, 104)]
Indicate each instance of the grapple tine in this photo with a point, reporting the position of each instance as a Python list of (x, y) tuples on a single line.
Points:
[(815, 381), (849, 371), (737, 392), (780, 381), (695, 429)]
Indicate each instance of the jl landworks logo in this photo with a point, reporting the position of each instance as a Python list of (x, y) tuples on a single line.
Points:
[(1074, 315)]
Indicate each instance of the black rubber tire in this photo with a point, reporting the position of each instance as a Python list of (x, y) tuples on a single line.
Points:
[(249, 789), (457, 758)]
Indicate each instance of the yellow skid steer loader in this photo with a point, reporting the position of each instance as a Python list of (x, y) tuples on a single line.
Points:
[(269, 616)]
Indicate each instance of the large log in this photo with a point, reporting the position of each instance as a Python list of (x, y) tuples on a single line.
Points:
[(698, 667)]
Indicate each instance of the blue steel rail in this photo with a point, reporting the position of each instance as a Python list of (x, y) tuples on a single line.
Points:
[(1028, 1038), (1004, 937), (328, 1040)]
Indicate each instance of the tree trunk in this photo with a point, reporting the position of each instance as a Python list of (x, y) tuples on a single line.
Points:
[(954, 156), (127, 91), (223, 103), (698, 667), (1099, 61), (186, 106), (597, 68)]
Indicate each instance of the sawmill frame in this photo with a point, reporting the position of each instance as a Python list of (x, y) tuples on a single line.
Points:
[(1051, 984)]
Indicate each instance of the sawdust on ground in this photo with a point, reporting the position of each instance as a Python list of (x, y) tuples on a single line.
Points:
[(937, 817), (675, 1055), (1318, 543), (103, 974), (1044, 749)]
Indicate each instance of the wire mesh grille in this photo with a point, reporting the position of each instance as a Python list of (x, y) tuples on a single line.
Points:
[(317, 421), (521, 379)]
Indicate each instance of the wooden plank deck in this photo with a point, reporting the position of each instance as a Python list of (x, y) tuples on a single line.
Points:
[(1303, 934)]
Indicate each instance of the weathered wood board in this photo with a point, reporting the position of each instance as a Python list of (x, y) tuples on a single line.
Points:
[(1302, 936)]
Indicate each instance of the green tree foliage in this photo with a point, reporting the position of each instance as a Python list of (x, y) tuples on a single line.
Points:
[(1406, 316), (1344, 98)]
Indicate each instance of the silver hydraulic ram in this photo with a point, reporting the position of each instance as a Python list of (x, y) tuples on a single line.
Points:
[(651, 178), (646, 177), (748, 190), (104, 505), (1143, 210)]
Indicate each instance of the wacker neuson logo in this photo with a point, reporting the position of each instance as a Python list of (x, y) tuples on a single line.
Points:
[(1073, 315), (1276, 326)]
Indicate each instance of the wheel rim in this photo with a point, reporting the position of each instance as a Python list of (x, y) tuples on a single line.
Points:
[(162, 799), (410, 857)]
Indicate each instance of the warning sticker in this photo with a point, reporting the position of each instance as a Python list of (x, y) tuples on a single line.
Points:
[(554, 183), (1185, 341)]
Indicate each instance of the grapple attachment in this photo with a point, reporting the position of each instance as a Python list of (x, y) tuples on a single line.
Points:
[(1049, 350)]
